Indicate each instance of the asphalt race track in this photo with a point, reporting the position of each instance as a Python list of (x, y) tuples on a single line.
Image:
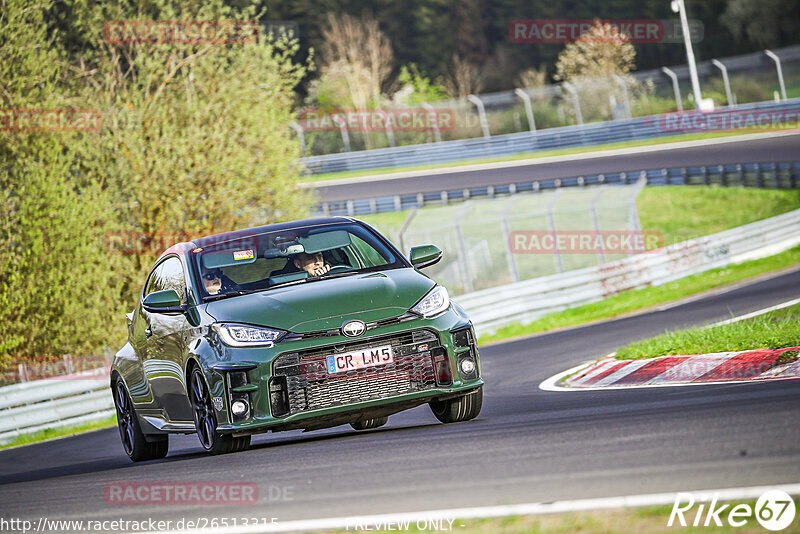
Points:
[(526, 446), (767, 150)]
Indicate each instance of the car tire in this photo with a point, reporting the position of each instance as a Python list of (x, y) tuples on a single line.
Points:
[(137, 446), (366, 424), (205, 419), (458, 409)]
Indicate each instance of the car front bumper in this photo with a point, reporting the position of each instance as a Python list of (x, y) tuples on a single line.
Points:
[(287, 387)]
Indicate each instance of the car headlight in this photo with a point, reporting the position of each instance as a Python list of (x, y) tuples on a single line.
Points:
[(435, 302), (242, 335)]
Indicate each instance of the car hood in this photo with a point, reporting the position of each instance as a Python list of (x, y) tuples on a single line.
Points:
[(325, 304)]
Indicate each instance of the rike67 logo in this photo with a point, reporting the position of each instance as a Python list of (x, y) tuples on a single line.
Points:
[(774, 510)]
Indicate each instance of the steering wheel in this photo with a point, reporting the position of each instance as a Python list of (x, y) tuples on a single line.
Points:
[(340, 268)]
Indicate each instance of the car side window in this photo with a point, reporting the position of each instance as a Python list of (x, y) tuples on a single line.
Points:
[(168, 275), (153, 281)]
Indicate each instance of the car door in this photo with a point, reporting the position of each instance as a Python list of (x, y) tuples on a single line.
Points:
[(140, 333), (166, 346)]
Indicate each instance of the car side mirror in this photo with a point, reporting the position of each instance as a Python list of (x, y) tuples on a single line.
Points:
[(425, 256), (167, 301)]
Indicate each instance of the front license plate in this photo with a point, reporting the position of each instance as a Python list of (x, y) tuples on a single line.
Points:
[(359, 359)]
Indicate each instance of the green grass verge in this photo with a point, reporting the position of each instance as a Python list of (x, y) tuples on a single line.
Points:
[(525, 155), (50, 433), (773, 330), (681, 213), (651, 519), (630, 301)]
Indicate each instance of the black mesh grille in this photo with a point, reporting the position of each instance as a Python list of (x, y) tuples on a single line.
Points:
[(312, 387)]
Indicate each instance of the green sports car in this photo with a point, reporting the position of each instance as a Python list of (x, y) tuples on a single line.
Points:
[(301, 325)]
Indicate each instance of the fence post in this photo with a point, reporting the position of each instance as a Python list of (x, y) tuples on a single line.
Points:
[(575, 102), (551, 223), (774, 57), (621, 81), (601, 257), (759, 178), (725, 80), (300, 136), (723, 177), (675, 87), (437, 135), (481, 114), (343, 131), (403, 227), (23, 372), (512, 266), (462, 250), (389, 131), (526, 99)]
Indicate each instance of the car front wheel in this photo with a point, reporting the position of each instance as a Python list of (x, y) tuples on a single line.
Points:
[(137, 446), (205, 419), (458, 409)]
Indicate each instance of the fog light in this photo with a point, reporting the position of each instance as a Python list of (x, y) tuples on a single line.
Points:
[(239, 408), (467, 366)]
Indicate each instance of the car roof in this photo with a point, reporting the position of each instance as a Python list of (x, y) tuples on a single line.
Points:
[(180, 248)]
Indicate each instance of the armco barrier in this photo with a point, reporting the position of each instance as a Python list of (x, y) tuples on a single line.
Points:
[(64, 401), (511, 144), (778, 175), (526, 301), (31, 406)]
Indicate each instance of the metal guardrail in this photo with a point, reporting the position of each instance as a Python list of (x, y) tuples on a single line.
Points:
[(526, 301), (511, 144), (63, 401), (776, 174)]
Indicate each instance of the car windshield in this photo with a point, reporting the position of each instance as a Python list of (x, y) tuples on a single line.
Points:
[(262, 261)]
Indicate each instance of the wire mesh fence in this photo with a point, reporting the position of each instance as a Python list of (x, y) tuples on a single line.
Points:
[(498, 241)]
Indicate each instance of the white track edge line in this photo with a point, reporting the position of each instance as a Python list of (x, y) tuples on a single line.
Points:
[(756, 313), (551, 384), (535, 508)]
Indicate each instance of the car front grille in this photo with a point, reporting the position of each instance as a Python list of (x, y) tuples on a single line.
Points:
[(310, 386)]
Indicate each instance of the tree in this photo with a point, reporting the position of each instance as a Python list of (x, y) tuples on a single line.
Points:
[(463, 78), (590, 62), (599, 53), (357, 52), (768, 24), (194, 141)]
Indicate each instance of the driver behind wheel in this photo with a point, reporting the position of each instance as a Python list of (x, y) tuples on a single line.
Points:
[(313, 264), (212, 281)]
